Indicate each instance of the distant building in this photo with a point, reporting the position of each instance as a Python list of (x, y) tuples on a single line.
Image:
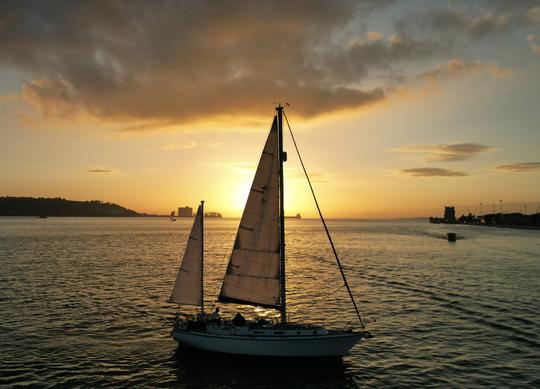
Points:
[(449, 215), (185, 212)]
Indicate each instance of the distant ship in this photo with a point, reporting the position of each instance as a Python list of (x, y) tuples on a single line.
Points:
[(297, 216), (212, 214)]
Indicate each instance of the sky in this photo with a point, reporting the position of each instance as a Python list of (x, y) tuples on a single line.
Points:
[(398, 107)]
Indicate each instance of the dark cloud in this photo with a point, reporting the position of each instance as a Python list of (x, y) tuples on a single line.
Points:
[(485, 19), (376, 55), (519, 167), (457, 67), (476, 25), (152, 64), (431, 172), (170, 62), (446, 152), (101, 171)]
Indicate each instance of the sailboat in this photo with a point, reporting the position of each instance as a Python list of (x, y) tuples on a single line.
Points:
[(255, 276)]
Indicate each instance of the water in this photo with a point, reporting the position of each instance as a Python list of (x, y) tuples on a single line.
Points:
[(82, 303)]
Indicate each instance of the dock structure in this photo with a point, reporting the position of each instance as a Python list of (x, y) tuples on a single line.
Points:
[(508, 220)]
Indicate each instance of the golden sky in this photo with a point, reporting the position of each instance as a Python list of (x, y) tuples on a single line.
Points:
[(398, 107)]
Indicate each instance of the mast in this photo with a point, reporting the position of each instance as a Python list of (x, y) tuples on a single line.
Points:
[(282, 158), (202, 258)]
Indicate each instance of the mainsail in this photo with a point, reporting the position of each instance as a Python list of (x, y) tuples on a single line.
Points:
[(253, 272), (188, 286)]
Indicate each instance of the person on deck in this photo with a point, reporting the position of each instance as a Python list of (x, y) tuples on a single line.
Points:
[(214, 316), (239, 320)]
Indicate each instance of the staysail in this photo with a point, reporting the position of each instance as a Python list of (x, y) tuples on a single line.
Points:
[(253, 272), (188, 286)]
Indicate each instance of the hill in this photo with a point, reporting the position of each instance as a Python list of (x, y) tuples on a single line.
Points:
[(29, 206)]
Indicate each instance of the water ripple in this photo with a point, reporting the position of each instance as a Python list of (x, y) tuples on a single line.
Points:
[(83, 304)]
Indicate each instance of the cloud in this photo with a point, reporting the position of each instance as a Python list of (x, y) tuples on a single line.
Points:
[(53, 98), (244, 168), (518, 167), (162, 64), (475, 24), (479, 22), (457, 67), (365, 57), (297, 174), (446, 152), (102, 171), (374, 36), (532, 43), (190, 145), (167, 63), (9, 97), (533, 15), (177, 146), (431, 172)]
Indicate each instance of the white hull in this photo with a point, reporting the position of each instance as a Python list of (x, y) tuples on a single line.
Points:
[(331, 344)]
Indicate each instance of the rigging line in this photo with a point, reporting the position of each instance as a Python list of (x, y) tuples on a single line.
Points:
[(323, 222)]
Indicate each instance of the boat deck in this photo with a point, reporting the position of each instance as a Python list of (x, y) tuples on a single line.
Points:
[(228, 328)]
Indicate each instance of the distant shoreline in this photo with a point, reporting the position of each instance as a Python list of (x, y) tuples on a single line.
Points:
[(11, 206), (507, 220), (223, 218), (83, 216), (534, 228), (46, 207)]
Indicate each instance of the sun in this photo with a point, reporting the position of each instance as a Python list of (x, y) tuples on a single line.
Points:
[(239, 192)]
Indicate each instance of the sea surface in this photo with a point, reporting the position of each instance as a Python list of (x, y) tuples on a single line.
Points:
[(83, 304)]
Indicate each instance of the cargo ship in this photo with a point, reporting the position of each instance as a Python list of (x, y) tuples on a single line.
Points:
[(297, 216)]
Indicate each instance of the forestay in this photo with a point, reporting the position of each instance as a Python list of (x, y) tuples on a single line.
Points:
[(252, 275), (188, 287)]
